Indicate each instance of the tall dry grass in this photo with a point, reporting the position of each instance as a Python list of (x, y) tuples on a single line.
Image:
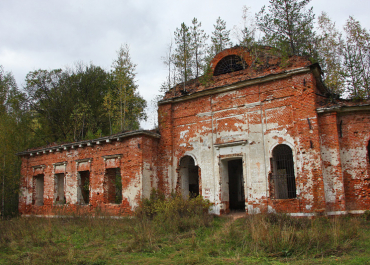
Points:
[(282, 235)]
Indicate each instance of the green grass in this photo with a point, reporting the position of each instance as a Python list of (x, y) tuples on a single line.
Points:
[(151, 238)]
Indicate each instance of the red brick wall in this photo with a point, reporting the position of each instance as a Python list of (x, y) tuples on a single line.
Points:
[(354, 160), (195, 125), (332, 167), (130, 162)]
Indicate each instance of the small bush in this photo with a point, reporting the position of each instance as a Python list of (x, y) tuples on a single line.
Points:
[(174, 214), (162, 218)]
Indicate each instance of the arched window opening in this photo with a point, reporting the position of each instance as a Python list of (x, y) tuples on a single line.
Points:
[(283, 180), (228, 64), (189, 177)]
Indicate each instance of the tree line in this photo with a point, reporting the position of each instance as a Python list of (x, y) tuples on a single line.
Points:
[(288, 26)]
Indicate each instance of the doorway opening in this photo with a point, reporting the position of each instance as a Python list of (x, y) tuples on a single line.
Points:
[(236, 185), (189, 177)]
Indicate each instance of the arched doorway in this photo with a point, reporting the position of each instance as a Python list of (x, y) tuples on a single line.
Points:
[(283, 179), (189, 177)]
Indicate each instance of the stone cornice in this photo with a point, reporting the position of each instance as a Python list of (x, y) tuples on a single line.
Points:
[(344, 108)]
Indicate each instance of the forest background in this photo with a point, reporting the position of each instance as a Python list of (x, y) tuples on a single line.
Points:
[(87, 101)]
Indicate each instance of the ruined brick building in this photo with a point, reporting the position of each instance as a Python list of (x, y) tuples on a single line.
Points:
[(261, 135)]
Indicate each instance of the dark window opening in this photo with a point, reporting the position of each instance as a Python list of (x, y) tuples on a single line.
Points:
[(283, 180), (84, 187), (193, 182), (236, 185), (59, 189), (231, 63), (38, 190), (113, 185), (368, 152)]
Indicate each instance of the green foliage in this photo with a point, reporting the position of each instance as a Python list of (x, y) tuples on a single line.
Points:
[(15, 136), (174, 214), (124, 106), (183, 53), (84, 103), (356, 53), (67, 104), (288, 27), (206, 78), (198, 46), (220, 37), (329, 47)]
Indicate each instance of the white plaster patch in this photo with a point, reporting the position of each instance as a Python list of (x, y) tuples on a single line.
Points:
[(332, 183), (183, 133), (270, 209)]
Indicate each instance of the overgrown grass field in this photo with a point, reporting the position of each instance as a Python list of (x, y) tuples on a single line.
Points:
[(178, 231)]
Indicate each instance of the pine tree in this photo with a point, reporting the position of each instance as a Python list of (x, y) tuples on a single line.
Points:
[(220, 37), (356, 53), (198, 47), (130, 104), (329, 47), (183, 53), (288, 26)]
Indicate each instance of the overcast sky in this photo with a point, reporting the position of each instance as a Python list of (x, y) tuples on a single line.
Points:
[(52, 34)]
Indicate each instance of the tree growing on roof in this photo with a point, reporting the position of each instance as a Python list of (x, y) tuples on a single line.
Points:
[(288, 27), (220, 37), (183, 53), (198, 47)]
